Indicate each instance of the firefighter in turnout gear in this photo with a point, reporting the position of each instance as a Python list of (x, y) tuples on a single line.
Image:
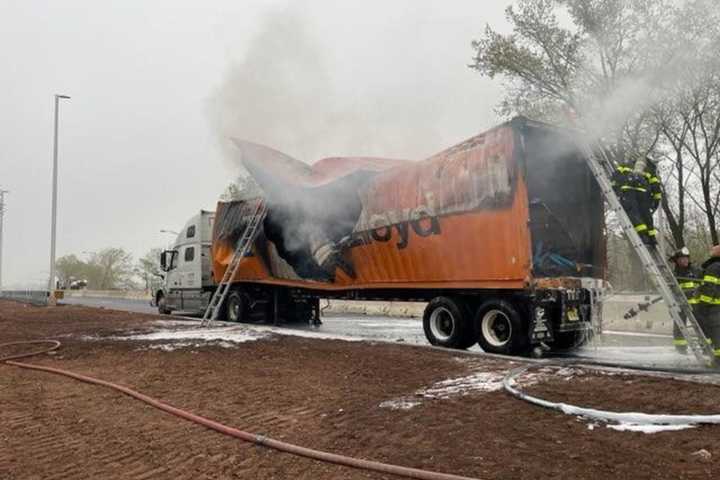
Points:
[(706, 302), (638, 187), (688, 277)]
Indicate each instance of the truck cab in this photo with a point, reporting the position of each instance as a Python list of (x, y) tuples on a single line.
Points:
[(188, 282)]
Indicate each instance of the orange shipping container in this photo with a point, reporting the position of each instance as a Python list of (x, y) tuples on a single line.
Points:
[(514, 210)]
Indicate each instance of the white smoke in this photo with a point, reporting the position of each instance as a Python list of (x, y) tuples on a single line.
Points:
[(293, 92)]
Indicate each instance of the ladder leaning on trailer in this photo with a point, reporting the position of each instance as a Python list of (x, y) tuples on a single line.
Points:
[(653, 262), (242, 247)]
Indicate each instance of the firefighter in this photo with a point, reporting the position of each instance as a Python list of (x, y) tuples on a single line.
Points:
[(688, 276), (654, 193), (706, 302), (638, 186)]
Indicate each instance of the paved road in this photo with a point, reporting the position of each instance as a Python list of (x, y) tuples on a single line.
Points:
[(408, 330), (650, 350)]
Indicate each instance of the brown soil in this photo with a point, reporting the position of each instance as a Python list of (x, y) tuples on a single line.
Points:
[(625, 392), (319, 393)]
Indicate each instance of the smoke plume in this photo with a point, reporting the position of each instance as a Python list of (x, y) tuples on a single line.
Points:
[(286, 93)]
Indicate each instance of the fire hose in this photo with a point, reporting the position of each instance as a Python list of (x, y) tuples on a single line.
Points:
[(261, 440), (510, 385), (641, 307), (644, 306)]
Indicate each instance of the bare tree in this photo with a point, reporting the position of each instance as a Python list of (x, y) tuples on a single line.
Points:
[(115, 267), (148, 267), (689, 120), (639, 74), (69, 268), (674, 132), (585, 69)]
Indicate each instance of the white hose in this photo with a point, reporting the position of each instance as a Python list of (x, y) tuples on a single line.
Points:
[(632, 418)]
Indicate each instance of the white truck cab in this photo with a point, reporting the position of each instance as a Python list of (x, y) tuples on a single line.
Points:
[(188, 282)]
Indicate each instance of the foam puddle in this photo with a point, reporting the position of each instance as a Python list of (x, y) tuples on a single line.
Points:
[(225, 336), (476, 382), (400, 404), (234, 335), (482, 382), (645, 428), (169, 347)]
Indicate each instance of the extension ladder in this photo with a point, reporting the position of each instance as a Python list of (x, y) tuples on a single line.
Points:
[(653, 262), (242, 247)]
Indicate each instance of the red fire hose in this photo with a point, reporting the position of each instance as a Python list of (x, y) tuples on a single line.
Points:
[(219, 427)]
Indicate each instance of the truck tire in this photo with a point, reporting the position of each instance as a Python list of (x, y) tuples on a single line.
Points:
[(501, 329), (162, 305), (235, 307), (447, 323)]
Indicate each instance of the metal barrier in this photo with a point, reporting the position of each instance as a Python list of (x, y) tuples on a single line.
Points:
[(35, 297)]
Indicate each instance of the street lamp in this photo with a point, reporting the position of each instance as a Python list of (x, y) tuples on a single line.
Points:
[(51, 282)]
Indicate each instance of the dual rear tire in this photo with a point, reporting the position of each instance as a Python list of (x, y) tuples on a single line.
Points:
[(495, 324), (446, 323)]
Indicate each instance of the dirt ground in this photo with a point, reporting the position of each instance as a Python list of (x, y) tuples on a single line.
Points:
[(324, 394)]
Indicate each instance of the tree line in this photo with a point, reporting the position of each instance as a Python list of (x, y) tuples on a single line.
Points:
[(109, 269), (633, 75)]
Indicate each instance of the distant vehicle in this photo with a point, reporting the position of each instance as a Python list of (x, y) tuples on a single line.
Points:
[(502, 234), (78, 284)]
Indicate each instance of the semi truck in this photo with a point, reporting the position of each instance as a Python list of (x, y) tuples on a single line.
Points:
[(503, 235)]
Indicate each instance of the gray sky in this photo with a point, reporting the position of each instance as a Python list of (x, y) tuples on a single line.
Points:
[(157, 85)]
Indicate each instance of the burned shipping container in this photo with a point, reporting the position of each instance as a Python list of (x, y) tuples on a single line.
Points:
[(503, 234)]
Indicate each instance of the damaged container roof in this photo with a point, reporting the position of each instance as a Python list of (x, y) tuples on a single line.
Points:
[(490, 212)]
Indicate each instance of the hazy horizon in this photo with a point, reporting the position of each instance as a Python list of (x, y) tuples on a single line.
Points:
[(156, 86)]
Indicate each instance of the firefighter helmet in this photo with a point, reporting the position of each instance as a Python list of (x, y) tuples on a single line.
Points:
[(681, 252)]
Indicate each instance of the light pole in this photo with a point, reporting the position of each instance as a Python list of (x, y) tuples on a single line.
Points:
[(51, 282), (2, 217)]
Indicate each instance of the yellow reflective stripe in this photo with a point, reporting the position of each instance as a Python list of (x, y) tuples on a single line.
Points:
[(628, 187), (711, 279), (709, 300), (653, 180), (652, 233), (641, 228), (717, 352), (657, 196), (693, 301), (708, 341), (622, 169), (680, 343), (688, 285)]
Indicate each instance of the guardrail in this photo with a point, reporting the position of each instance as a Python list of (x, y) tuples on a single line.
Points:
[(122, 294), (35, 297)]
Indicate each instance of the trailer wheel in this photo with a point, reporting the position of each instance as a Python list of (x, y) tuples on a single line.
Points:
[(235, 307), (161, 303), (446, 322), (501, 328)]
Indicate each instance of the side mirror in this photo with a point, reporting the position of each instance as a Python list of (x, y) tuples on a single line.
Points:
[(168, 260)]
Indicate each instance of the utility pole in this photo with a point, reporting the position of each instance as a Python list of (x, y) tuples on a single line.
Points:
[(2, 218), (51, 281)]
